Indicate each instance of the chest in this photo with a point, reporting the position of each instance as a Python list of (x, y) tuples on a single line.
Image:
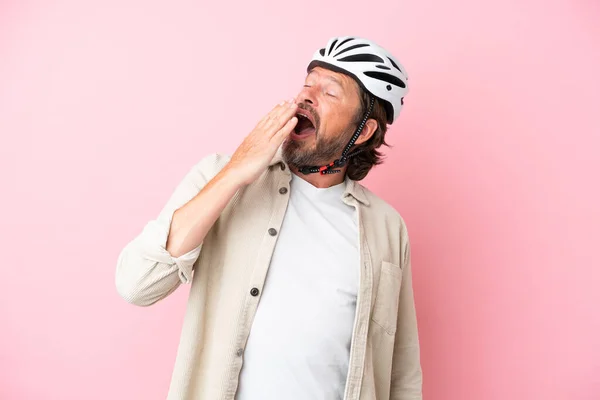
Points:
[(317, 255), (344, 246)]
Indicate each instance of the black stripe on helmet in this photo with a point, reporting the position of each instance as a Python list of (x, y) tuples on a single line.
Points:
[(383, 67), (356, 46), (322, 51), (362, 57), (384, 76), (395, 65), (342, 42), (331, 47)]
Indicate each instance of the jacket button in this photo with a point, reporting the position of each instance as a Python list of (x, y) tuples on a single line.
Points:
[(272, 231), (254, 292), (240, 352), (283, 190), (282, 166)]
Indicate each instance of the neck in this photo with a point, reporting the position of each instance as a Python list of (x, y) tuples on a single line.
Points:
[(322, 181)]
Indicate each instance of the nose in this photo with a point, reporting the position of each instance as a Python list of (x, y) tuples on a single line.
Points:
[(308, 95)]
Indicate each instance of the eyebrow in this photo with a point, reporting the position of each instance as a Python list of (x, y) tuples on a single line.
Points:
[(329, 78)]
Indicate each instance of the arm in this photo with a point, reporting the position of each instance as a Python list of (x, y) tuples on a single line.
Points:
[(162, 256), (406, 369), (193, 220)]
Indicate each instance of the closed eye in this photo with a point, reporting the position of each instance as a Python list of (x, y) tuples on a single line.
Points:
[(326, 93)]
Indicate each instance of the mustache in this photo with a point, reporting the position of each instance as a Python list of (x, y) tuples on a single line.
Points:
[(313, 113)]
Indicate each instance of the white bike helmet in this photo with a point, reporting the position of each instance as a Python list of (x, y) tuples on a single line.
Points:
[(376, 70)]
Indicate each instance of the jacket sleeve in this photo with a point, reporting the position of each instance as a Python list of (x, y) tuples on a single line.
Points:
[(146, 272), (406, 381)]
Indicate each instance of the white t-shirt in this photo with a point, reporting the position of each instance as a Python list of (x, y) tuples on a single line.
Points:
[(299, 343)]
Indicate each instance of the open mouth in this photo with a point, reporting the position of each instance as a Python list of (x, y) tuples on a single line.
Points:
[(305, 125)]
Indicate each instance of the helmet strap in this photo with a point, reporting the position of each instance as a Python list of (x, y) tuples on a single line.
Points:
[(340, 162)]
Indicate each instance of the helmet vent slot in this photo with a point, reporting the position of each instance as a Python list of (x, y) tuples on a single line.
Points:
[(395, 65), (342, 42), (356, 46), (331, 47), (362, 57), (383, 76)]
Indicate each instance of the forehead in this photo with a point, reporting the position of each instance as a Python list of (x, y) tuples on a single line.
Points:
[(338, 78)]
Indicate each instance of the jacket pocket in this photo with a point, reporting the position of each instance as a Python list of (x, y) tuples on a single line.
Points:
[(385, 311)]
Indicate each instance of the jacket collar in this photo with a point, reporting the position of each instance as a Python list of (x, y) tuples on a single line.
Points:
[(353, 188)]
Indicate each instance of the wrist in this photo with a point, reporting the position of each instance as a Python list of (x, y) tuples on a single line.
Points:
[(231, 177)]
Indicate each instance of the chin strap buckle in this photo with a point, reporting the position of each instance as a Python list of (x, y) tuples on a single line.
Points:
[(329, 169)]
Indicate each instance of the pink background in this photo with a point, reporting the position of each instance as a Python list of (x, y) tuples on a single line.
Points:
[(495, 167)]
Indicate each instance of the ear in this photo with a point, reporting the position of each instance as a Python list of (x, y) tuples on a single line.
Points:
[(368, 130)]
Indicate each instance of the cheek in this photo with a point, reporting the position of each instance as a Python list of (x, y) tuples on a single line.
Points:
[(335, 119), (333, 127), (329, 118), (339, 114)]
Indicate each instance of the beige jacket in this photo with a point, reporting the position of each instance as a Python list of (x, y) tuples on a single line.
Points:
[(227, 273)]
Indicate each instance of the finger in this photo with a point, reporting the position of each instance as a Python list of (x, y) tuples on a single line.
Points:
[(268, 115), (275, 124), (280, 109), (284, 132), (274, 113)]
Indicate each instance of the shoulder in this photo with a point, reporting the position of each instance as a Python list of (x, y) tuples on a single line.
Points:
[(384, 210), (386, 220)]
